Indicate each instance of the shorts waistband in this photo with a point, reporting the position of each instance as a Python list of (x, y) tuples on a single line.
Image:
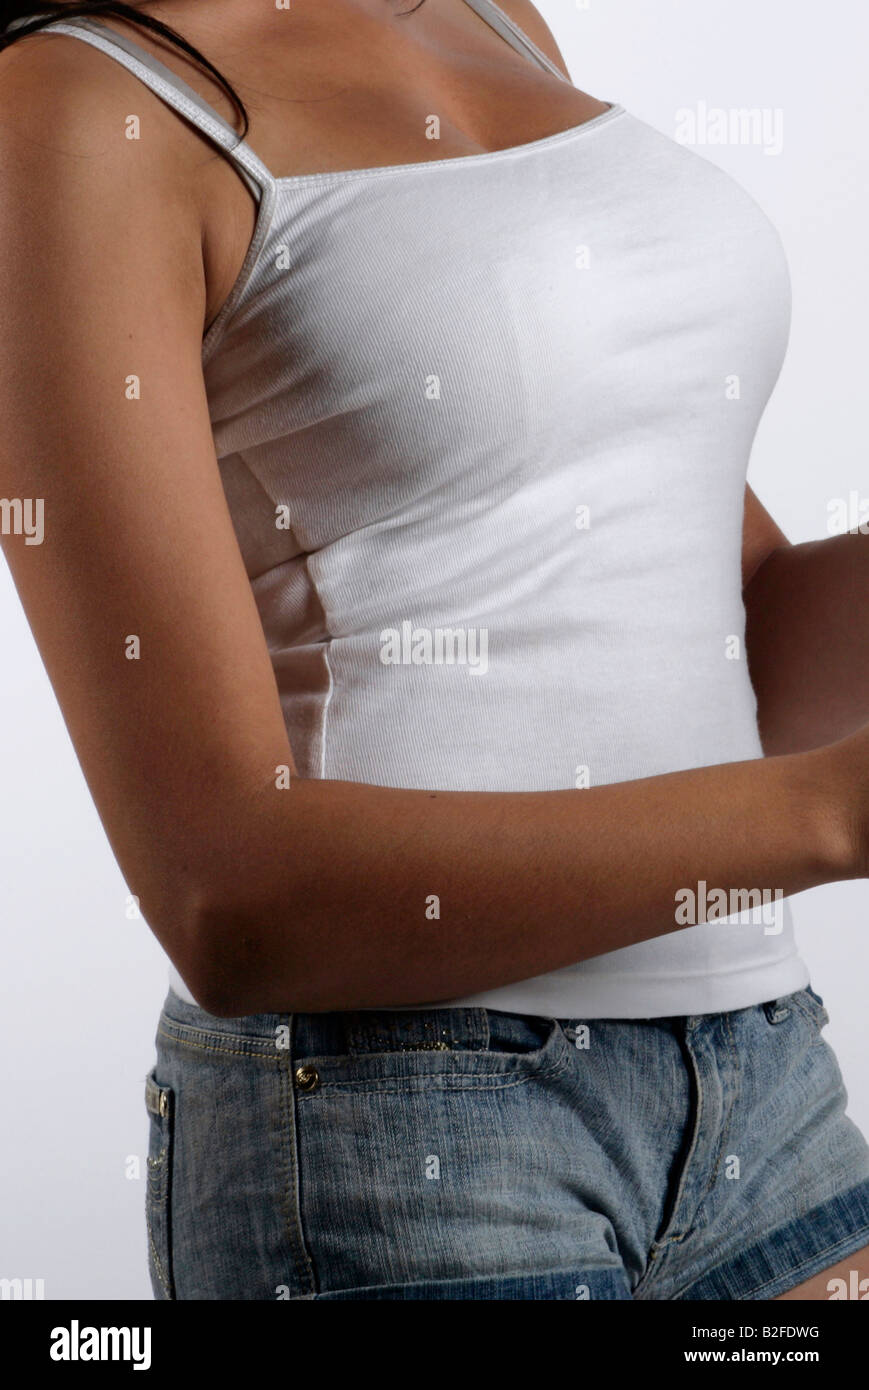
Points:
[(467, 1029), (427, 1029)]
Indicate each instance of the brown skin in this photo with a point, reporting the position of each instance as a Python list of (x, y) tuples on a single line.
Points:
[(807, 641), (298, 73), (314, 898)]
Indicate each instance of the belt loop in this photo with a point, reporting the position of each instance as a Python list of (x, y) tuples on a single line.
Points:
[(776, 1010), (157, 1098)]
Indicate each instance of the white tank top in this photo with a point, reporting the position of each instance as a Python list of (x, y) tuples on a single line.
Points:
[(483, 425)]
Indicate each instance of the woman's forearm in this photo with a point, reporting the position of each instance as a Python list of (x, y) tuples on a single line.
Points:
[(808, 642), (337, 895)]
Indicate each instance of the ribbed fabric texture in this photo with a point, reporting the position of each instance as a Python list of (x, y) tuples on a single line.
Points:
[(511, 396)]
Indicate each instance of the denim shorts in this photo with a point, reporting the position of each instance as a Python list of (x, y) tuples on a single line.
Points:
[(467, 1153)]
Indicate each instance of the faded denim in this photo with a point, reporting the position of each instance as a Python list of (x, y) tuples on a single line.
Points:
[(470, 1154)]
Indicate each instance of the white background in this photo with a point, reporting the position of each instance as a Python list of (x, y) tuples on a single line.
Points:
[(82, 987)]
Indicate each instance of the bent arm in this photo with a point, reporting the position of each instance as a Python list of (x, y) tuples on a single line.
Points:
[(806, 633), (313, 897), (317, 897)]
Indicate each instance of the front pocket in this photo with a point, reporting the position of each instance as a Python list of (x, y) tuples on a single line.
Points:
[(451, 1048), (160, 1103)]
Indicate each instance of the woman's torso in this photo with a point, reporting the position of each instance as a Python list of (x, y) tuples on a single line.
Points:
[(483, 421)]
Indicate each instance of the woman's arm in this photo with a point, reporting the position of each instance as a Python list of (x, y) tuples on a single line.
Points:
[(807, 634), (317, 897), (313, 897)]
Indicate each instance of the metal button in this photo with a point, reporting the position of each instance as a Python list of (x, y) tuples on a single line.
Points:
[(164, 1104), (307, 1078)]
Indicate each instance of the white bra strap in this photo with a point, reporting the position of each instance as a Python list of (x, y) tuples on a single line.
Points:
[(512, 34), (175, 92)]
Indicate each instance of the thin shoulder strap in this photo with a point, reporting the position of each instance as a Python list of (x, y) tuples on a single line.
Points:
[(175, 92), (504, 25)]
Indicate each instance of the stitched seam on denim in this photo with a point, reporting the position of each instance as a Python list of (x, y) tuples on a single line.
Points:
[(828, 1250), (172, 1026), (425, 1081), (275, 1056), (224, 1051), (666, 1240), (292, 1214), (151, 1203), (819, 1019), (157, 1262), (800, 1004), (725, 1134), (415, 1051), (664, 1244), (570, 1272), (786, 1273), (559, 1064)]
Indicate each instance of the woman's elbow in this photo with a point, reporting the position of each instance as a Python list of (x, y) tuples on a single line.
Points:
[(233, 971)]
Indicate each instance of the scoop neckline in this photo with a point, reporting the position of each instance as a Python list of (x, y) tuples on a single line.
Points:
[(613, 110)]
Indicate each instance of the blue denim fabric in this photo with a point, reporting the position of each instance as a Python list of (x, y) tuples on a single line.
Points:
[(472, 1154)]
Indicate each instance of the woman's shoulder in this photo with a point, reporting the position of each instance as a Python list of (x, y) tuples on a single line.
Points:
[(55, 86), (68, 109)]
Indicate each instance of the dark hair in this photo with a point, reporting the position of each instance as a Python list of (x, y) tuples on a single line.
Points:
[(47, 13)]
